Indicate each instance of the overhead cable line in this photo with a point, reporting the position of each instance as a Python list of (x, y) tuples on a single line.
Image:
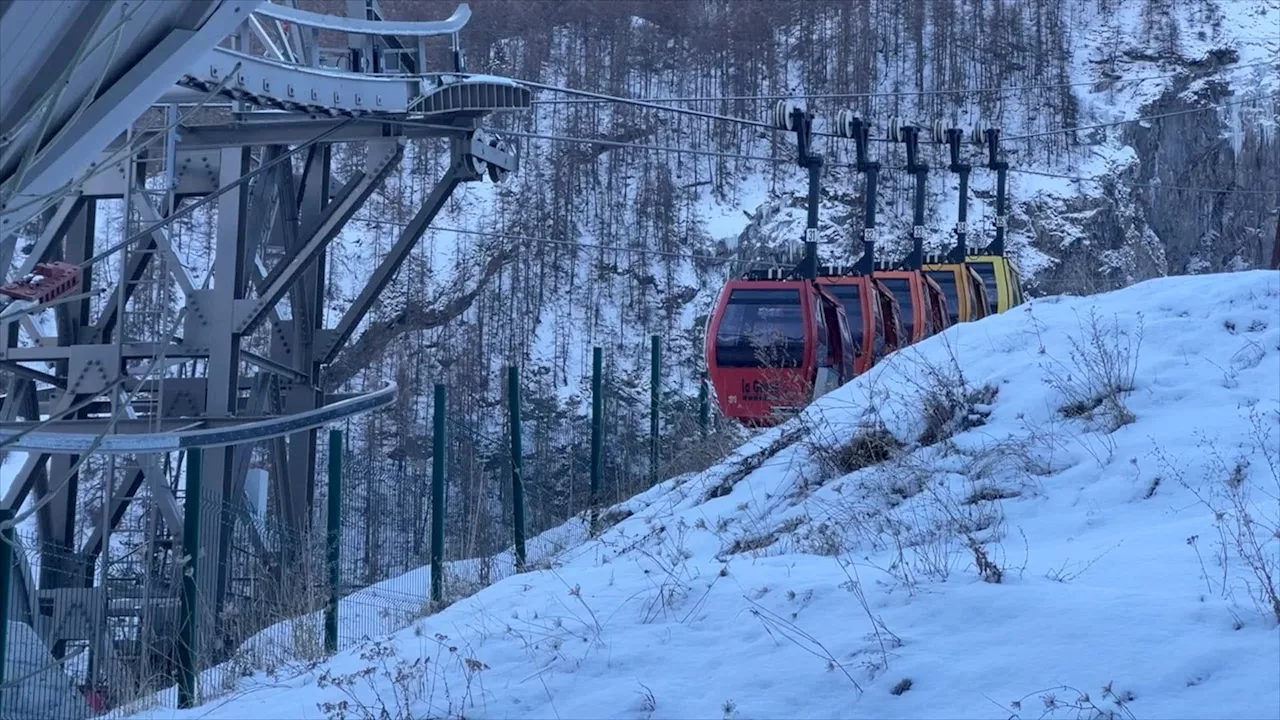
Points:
[(53, 197), (1145, 118), (609, 143), (760, 158), (650, 105), (567, 243), (900, 93), (757, 123), (1152, 186)]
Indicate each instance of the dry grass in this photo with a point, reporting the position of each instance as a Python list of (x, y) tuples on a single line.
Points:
[(1244, 502), (1100, 374)]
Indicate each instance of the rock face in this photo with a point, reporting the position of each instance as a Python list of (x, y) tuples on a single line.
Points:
[(35, 687)]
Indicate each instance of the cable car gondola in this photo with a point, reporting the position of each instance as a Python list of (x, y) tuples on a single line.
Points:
[(924, 308), (965, 292), (1000, 276), (922, 302), (872, 311), (874, 314), (774, 345), (777, 340), (964, 289)]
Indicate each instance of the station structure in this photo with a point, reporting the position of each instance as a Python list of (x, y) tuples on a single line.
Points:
[(114, 353)]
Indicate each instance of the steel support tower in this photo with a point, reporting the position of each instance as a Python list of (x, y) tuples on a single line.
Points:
[(144, 360)]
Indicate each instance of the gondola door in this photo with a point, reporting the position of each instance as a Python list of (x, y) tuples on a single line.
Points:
[(895, 334), (865, 332), (835, 350), (937, 304)]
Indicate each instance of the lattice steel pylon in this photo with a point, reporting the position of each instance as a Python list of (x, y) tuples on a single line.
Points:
[(158, 361)]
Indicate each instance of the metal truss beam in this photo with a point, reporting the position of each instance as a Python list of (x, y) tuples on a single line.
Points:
[(148, 469), (290, 131), (57, 163), (303, 205), (214, 324), (381, 159), (386, 270), (241, 377)]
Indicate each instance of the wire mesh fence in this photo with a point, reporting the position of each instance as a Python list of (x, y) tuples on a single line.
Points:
[(102, 633)]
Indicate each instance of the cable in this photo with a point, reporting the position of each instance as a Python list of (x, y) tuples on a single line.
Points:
[(610, 143), (156, 359), (651, 105), (755, 123), (59, 88), (567, 243), (115, 417), (1144, 118), (54, 196), (898, 93), (1152, 186), (126, 16), (737, 156)]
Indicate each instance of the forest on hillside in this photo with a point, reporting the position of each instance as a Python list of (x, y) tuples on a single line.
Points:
[(609, 234)]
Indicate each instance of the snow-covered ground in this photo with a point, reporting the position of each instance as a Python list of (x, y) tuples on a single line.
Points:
[(1078, 508)]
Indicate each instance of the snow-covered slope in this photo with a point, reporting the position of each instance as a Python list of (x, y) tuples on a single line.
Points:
[(1072, 505)]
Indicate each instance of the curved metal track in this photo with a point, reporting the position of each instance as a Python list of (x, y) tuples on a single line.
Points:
[(270, 83), (417, 28), (236, 434), (305, 86)]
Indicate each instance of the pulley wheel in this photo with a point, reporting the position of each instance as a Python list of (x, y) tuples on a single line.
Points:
[(895, 127), (784, 114), (975, 135), (476, 164), (498, 174), (939, 132), (845, 121)]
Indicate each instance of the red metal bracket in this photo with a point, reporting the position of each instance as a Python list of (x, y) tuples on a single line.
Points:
[(48, 281)]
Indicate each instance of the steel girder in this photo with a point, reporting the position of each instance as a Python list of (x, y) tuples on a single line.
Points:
[(271, 241), (130, 51), (293, 221)]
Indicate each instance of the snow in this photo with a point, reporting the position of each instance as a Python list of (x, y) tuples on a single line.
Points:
[(481, 78), (775, 584)]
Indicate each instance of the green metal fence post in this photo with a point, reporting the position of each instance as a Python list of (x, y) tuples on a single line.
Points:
[(189, 602), (334, 541), (517, 465), (8, 538), (655, 393), (597, 425), (437, 497), (704, 405)]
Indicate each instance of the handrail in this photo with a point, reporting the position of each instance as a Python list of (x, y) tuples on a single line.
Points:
[(310, 70), (18, 437), (427, 28)]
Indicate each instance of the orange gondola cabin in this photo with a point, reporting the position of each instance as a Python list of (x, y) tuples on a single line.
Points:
[(923, 305), (872, 311)]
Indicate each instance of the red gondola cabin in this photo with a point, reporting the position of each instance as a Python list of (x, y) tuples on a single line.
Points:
[(772, 346)]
